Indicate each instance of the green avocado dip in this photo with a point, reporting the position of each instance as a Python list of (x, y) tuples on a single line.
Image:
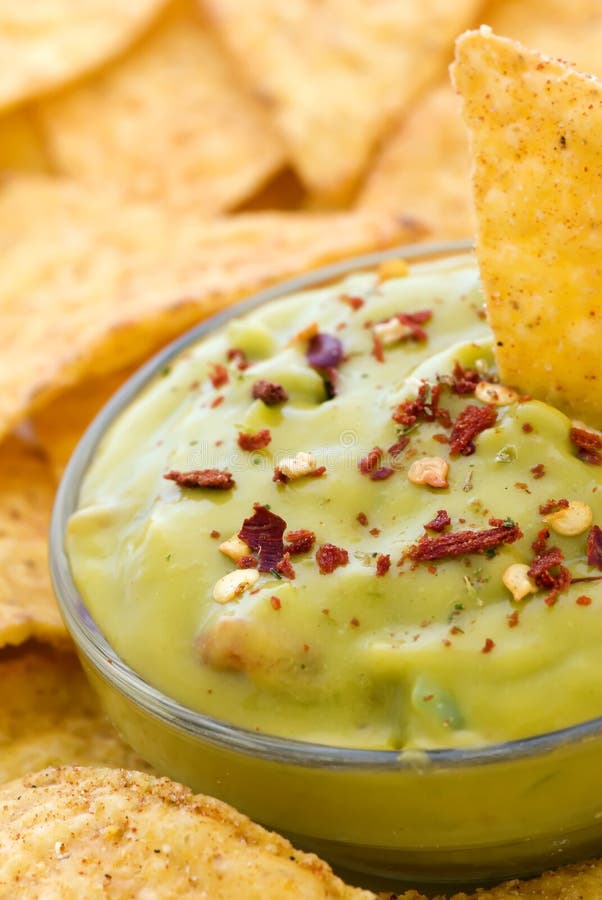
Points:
[(327, 521)]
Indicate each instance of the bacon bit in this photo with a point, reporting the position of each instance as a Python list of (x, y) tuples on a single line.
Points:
[(238, 357), (354, 302), (464, 381), (354, 622), (383, 564), (381, 474), (512, 619), (247, 562), (413, 321), (285, 567), (263, 533), (583, 600), (215, 534), (374, 532), (541, 572), (471, 422), (488, 646), (461, 542), (377, 348), (259, 440), (269, 392), (218, 375), (370, 462), (552, 506), (362, 518), (324, 351), (527, 427), (398, 447), (216, 479), (217, 401), (594, 547), (300, 541), (589, 445), (276, 602), (329, 557), (425, 407), (538, 471), (440, 522)]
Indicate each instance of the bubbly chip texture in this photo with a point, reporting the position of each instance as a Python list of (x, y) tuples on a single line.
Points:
[(536, 133)]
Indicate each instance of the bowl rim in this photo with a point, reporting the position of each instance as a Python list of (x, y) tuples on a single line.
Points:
[(94, 646)]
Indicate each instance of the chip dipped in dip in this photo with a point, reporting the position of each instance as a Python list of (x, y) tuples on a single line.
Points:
[(328, 520)]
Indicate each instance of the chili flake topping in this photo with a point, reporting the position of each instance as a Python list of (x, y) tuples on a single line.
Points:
[(588, 443), (330, 558), (259, 440), (470, 423), (594, 547), (269, 392), (461, 542), (216, 479)]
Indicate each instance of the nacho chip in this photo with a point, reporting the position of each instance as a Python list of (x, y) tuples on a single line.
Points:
[(21, 147), (170, 121), (335, 74), (49, 716), (27, 604), (118, 833), (96, 284), (46, 44), (536, 134), (425, 167), (581, 881)]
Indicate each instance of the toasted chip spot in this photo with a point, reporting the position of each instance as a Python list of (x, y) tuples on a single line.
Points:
[(571, 520), (305, 334), (430, 470), (304, 463), (235, 548), (232, 585), (495, 394), (391, 331), (393, 268), (516, 579)]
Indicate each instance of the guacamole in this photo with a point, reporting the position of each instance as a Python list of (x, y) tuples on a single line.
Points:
[(328, 520)]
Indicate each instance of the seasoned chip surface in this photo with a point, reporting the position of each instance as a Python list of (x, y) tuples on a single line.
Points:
[(536, 134), (77, 832)]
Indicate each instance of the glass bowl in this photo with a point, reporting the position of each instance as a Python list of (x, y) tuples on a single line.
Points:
[(436, 817)]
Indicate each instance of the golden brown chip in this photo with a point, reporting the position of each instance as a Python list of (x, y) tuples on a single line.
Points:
[(49, 716), (95, 284), (425, 167), (21, 147), (27, 604), (335, 74), (536, 135), (170, 121), (577, 882), (78, 832), (45, 43)]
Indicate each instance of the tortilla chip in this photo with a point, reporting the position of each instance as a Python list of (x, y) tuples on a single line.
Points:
[(536, 134), (582, 881), (46, 44), (49, 716), (66, 830), (335, 74), (21, 148), (96, 284), (425, 166), (170, 121), (27, 604)]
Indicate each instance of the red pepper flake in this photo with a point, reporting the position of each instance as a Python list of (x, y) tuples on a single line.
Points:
[(464, 381), (414, 321), (512, 619), (269, 392), (425, 407), (215, 534), (217, 401), (383, 564), (428, 697), (594, 547), (527, 427), (324, 351), (239, 357), (470, 422), (247, 562), (300, 541), (354, 622), (259, 440), (381, 474), (455, 629), (329, 557), (362, 518), (276, 602), (583, 600), (539, 545), (398, 447), (354, 303), (432, 570), (522, 486), (541, 571), (306, 648), (377, 349), (446, 642), (263, 532), (218, 375), (589, 445), (551, 506), (440, 522), (370, 462), (374, 532), (488, 646), (461, 542), (538, 471), (441, 438), (285, 567), (216, 479)]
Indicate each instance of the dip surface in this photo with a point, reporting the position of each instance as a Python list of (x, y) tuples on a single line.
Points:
[(397, 646)]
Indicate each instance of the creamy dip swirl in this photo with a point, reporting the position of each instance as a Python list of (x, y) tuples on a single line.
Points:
[(374, 631)]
